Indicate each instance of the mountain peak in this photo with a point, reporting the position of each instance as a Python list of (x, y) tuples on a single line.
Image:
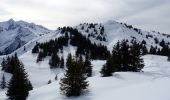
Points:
[(11, 20)]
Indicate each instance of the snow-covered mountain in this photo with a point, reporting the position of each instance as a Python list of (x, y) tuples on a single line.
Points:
[(14, 34), (121, 86), (114, 31)]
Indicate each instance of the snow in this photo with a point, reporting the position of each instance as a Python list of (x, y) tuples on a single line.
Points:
[(14, 33), (152, 84), (146, 85)]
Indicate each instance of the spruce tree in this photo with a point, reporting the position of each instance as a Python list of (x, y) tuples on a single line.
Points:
[(40, 56), (88, 67), (36, 48), (169, 56), (74, 81), (125, 56), (3, 83), (136, 62), (107, 68), (3, 64), (54, 62), (69, 59), (144, 50), (19, 85), (62, 62)]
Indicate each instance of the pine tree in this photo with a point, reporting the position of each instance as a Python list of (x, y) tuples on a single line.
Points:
[(74, 81), (117, 57), (162, 43), (125, 56), (144, 50), (54, 62), (165, 50), (9, 65), (136, 62), (152, 50), (40, 56), (36, 48), (69, 60), (3, 83), (3, 64), (107, 68), (169, 57), (19, 85), (62, 62), (88, 67)]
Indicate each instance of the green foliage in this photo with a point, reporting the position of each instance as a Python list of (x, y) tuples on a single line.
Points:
[(74, 81), (124, 57), (54, 62), (88, 66), (19, 85), (107, 68)]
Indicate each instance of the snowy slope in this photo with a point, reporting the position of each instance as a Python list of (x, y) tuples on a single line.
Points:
[(152, 84), (114, 31), (14, 34)]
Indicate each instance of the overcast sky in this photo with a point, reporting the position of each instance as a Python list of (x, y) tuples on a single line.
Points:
[(145, 14)]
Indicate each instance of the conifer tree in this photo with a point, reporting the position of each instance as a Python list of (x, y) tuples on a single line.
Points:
[(125, 56), (9, 64), (169, 57), (74, 81), (88, 66), (144, 50), (62, 62), (136, 62), (3, 64), (162, 43), (36, 48), (40, 56), (69, 59), (107, 68), (54, 62), (3, 83), (152, 50), (19, 85)]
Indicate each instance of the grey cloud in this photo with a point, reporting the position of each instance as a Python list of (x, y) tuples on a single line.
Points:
[(69, 12)]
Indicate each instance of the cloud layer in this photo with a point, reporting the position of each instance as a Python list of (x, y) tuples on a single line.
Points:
[(145, 14)]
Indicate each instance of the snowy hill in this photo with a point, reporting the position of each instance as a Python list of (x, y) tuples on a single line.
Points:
[(114, 31), (14, 34), (152, 84), (122, 85)]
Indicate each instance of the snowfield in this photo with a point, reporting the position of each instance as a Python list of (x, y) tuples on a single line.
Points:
[(152, 84)]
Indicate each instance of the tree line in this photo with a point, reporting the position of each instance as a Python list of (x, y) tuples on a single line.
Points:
[(124, 57), (72, 37)]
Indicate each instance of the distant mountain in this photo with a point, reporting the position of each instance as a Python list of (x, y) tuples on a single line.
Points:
[(112, 32), (14, 34)]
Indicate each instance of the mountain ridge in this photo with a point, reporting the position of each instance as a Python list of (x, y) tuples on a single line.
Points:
[(14, 34), (107, 33)]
